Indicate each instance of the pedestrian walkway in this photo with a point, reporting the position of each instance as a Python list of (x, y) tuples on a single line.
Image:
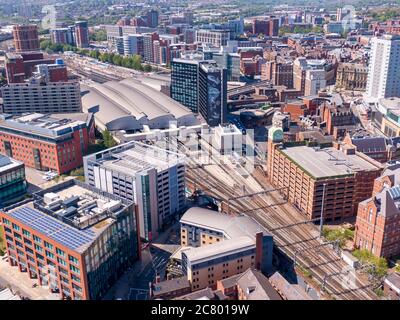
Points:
[(22, 284)]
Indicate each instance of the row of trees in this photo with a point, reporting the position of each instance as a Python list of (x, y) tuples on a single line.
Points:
[(132, 62), (284, 30)]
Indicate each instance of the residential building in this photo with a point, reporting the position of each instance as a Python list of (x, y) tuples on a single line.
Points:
[(383, 70), (63, 36), (320, 178), (12, 179), (222, 246), (44, 142), (26, 38), (150, 176), (152, 18), (133, 44), (73, 238), (82, 34), (170, 289)]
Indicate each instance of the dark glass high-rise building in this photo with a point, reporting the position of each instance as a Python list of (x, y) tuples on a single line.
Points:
[(201, 86), (212, 93), (184, 82)]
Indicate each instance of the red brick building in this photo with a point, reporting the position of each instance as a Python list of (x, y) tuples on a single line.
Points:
[(44, 142), (20, 67), (79, 261), (26, 38), (378, 218)]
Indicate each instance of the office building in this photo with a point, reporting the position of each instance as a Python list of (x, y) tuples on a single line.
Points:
[(151, 177), (184, 82), (383, 70), (12, 179), (73, 238), (221, 246), (20, 66), (316, 178), (214, 37), (201, 86), (309, 76), (42, 97), (212, 93), (352, 76), (82, 34), (133, 44), (26, 38), (44, 142), (378, 217)]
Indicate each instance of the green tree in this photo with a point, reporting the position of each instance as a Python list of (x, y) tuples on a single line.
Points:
[(108, 139), (147, 68)]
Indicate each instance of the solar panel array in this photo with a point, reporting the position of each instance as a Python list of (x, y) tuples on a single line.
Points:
[(53, 228)]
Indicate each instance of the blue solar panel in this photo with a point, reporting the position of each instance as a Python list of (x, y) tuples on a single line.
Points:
[(53, 228)]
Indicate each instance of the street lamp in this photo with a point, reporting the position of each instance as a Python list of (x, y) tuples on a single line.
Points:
[(321, 220)]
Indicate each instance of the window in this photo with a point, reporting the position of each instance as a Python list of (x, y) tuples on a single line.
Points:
[(6, 221), (37, 239), (26, 233), (49, 254), (38, 248), (60, 252), (15, 227), (48, 245), (74, 269), (73, 259), (61, 261)]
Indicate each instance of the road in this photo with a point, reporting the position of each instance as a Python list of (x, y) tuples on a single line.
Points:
[(223, 181)]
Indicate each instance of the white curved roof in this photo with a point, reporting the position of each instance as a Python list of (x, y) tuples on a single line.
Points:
[(129, 104)]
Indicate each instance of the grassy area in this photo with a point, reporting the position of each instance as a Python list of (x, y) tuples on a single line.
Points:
[(2, 242), (341, 234), (379, 266)]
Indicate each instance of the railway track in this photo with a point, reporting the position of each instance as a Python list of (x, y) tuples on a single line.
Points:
[(321, 263)]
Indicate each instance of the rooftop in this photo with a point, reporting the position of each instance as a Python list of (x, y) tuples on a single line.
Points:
[(170, 286), (231, 226), (328, 162), (7, 163), (290, 291), (256, 286), (138, 157), (70, 213), (39, 124), (219, 249)]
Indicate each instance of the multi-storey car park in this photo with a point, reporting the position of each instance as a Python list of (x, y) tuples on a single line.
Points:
[(150, 176), (73, 238)]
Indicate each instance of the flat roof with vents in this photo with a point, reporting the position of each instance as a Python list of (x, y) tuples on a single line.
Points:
[(328, 162)]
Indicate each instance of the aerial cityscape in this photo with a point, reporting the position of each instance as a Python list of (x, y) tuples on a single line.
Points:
[(199, 150)]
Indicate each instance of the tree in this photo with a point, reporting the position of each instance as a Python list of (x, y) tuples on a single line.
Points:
[(147, 68), (108, 139)]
